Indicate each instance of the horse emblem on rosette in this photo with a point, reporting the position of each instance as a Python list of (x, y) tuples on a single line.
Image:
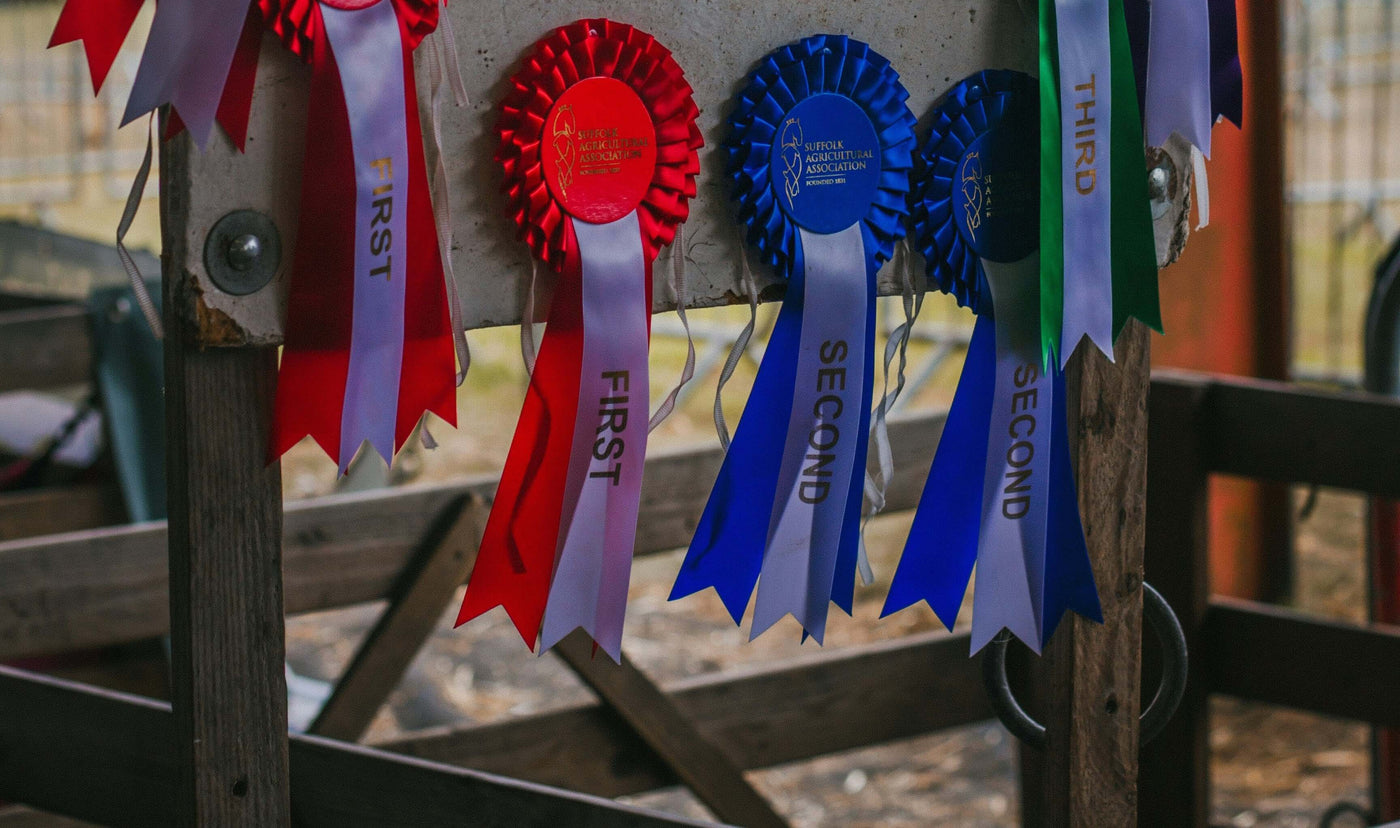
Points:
[(563, 132), (791, 144), (970, 177)]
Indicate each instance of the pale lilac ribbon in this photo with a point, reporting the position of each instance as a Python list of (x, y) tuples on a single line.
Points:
[(1009, 589), (444, 71), (186, 61), (374, 98), (741, 344), (1086, 102), (604, 487), (668, 405), (133, 204), (1178, 73), (878, 482), (799, 562)]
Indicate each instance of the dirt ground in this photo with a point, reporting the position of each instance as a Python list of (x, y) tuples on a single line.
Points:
[(1271, 767)]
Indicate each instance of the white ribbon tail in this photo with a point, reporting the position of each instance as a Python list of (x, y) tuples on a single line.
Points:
[(442, 202), (133, 204), (688, 372), (741, 344), (1198, 168)]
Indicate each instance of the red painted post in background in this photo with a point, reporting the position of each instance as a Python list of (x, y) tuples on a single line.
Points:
[(1225, 304)]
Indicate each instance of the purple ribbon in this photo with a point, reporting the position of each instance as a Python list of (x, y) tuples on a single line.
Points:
[(1010, 587), (186, 61), (1086, 112), (604, 488), (804, 536), (374, 98), (1179, 73)]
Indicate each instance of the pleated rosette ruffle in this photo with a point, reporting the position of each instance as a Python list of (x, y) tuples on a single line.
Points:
[(1000, 494), (779, 520), (557, 549), (588, 49), (818, 64)]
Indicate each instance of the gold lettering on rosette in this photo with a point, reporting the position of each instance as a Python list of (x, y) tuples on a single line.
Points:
[(563, 131)]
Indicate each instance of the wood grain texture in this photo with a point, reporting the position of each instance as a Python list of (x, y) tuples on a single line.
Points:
[(416, 604), (1089, 769), (89, 589), (21, 817), (111, 759), (701, 765), (45, 347), (227, 645), (759, 716), (1280, 656), (1174, 778), (56, 510)]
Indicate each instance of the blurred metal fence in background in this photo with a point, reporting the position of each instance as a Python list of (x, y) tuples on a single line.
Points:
[(1342, 105), (58, 143)]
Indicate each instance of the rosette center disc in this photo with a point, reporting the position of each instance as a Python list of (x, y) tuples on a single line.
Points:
[(996, 192), (599, 150), (827, 163), (350, 5)]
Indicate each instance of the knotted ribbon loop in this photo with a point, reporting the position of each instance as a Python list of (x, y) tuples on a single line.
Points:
[(819, 150)]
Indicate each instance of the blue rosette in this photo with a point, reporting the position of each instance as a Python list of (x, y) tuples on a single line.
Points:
[(1000, 495), (820, 149), (969, 111)]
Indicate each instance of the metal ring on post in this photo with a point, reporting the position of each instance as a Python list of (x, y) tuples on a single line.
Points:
[(1164, 703)]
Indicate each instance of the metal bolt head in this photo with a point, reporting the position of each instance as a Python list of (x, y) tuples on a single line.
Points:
[(1158, 179), (244, 252)]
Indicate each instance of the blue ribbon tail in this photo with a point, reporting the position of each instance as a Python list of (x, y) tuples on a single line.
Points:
[(726, 551), (1069, 576), (942, 546)]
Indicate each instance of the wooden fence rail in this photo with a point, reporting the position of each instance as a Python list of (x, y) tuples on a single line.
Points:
[(93, 588)]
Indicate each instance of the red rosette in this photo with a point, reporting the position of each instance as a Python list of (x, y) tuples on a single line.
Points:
[(625, 94), (298, 24), (597, 48)]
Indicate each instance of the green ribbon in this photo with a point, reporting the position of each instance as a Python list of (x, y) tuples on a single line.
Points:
[(1134, 250), (1134, 246), (1052, 208)]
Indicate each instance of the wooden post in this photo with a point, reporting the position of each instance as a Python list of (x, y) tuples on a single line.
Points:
[(1088, 681), (225, 543), (1174, 784)]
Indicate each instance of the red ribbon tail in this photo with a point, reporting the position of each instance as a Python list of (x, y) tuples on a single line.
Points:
[(320, 300), (516, 562), (427, 382), (102, 26)]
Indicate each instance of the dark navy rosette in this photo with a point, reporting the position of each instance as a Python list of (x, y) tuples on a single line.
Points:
[(969, 110), (794, 125), (1000, 494)]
